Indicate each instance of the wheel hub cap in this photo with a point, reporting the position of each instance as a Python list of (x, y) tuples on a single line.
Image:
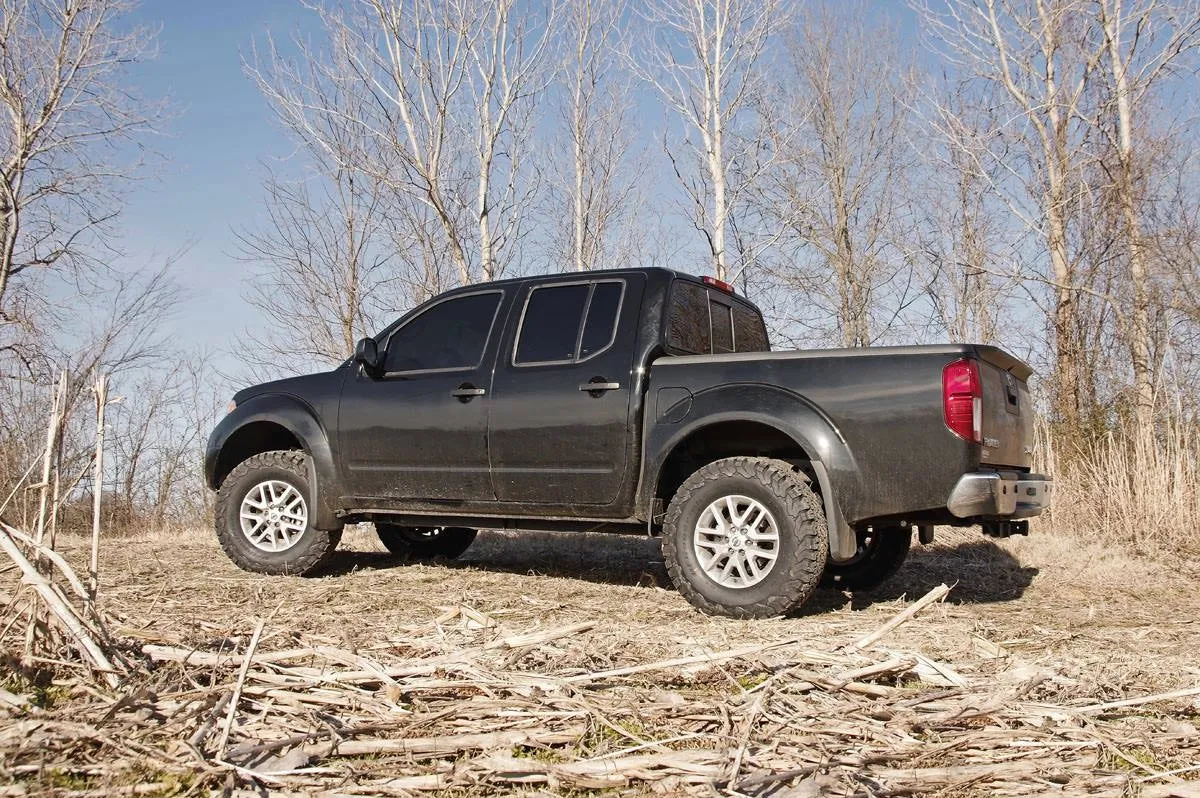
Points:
[(736, 541), (273, 515)]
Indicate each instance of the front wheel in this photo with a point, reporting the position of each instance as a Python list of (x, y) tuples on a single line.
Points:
[(881, 552), (263, 517), (745, 537), (425, 542)]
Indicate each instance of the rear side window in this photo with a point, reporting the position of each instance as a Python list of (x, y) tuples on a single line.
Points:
[(551, 324), (564, 323), (601, 323), (449, 335), (703, 322)]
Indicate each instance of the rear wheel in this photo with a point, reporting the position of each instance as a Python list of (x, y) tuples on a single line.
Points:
[(263, 518), (745, 537), (881, 552), (425, 542)]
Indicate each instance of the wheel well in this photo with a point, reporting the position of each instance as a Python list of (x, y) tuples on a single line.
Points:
[(727, 439), (254, 438)]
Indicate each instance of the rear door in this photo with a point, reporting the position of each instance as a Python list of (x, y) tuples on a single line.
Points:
[(560, 401)]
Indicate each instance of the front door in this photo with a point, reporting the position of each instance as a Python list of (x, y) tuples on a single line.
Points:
[(560, 427), (419, 430)]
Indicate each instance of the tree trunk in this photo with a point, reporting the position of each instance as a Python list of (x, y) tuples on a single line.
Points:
[(8, 244), (1139, 316), (716, 166), (1066, 349)]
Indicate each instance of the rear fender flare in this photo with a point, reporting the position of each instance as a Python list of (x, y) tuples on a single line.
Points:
[(792, 415)]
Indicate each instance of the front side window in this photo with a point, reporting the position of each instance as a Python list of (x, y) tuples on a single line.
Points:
[(450, 335), (565, 323)]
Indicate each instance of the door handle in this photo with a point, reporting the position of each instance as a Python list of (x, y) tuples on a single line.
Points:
[(466, 391), (599, 386)]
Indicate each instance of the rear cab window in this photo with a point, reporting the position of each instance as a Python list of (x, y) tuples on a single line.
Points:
[(703, 321)]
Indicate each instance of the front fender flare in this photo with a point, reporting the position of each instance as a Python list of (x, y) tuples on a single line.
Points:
[(300, 419)]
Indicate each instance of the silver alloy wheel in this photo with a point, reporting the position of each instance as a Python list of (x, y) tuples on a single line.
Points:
[(274, 515), (736, 541)]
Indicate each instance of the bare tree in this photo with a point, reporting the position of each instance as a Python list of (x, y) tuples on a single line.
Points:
[(321, 274), (156, 433), (64, 107), (1036, 63), (1143, 43), (439, 98), (839, 191), (120, 331), (963, 227), (706, 58), (595, 105)]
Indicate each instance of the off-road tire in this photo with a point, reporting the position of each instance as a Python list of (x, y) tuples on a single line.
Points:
[(312, 551), (803, 537), (407, 541), (877, 560)]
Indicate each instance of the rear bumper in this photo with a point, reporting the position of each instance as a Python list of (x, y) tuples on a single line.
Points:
[(1000, 494)]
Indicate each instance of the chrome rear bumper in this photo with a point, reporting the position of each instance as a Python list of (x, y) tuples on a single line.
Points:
[(1007, 494)]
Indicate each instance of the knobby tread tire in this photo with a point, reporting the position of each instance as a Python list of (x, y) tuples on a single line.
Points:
[(316, 547), (449, 545), (888, 552), (804, 523)]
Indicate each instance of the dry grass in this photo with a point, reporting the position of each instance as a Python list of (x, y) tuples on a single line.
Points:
[(1037, 630), (1129, 490)]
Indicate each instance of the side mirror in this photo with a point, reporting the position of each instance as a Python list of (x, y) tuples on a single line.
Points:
[(366, 354)]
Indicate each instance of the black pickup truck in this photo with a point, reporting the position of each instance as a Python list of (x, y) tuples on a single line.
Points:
[(639, 400)]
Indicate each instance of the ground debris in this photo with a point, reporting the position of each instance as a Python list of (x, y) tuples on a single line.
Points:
[(486, 696)]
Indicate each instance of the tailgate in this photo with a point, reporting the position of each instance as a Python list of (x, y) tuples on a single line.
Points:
[(1007, 409)]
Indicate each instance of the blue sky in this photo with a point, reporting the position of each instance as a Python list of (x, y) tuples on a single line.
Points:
[(214, 147)]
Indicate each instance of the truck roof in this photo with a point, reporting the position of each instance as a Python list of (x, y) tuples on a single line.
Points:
[(647, 270), (661, 273)]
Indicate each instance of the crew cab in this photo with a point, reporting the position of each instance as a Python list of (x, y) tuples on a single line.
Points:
[(635, 400)]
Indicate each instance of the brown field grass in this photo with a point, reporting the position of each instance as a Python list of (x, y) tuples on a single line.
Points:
[(1034, 629)]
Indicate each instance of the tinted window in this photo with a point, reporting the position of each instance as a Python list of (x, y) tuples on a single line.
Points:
[(601, 321), (550, 328), (688, 327), (749, 333), (722, 328), (450, 335)]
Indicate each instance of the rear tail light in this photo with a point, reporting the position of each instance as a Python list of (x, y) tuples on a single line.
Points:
[(720, 285), (962, 399)]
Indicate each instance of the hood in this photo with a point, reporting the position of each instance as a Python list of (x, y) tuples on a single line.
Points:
[(302, 386)]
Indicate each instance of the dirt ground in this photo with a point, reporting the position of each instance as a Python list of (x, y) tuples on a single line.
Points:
[(1074, 624)]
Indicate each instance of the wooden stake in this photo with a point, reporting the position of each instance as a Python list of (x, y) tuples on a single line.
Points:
[(58, 605), (48, 457), (101, 390), (48, 460)]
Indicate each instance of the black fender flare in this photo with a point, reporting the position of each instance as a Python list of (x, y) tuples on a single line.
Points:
[(298, 418), (791, 414)]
